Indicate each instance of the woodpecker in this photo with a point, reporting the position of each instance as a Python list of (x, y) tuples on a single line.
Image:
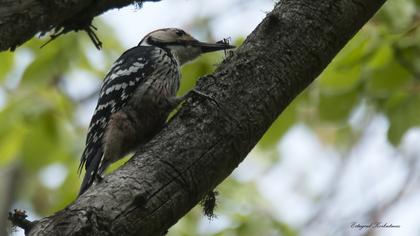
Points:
[(136, 97)]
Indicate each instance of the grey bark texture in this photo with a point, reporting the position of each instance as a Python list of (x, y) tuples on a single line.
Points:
[(21, 20), (206, 141)]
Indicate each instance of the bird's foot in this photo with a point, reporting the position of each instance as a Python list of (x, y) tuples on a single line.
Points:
[(98, 178)]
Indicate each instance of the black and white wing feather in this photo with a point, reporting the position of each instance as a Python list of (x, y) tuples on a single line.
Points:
[(128, 73)]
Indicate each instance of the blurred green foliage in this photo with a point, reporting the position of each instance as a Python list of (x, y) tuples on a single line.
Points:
[(40, 124)]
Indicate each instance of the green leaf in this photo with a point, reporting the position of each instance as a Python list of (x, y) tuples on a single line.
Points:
[(345, 71), (337, 107), (285, 229), (408, 56), (6, 64), (403, 113), (358, 48), (340, 80), (381, 57), (52, 61), (10, 141), (40, 146), (386, 80), (398, 14), (38, 74)]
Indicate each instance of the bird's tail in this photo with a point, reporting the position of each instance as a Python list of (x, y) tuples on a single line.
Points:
[(91, 172)]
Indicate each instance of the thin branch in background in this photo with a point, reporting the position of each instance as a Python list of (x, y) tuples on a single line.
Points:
[(9, 177), (329, 195), (376, 214)]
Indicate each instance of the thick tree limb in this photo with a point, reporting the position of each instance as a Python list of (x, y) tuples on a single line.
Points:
[(21, 20), (204, 143)]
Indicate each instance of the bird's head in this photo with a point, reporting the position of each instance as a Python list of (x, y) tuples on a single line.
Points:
[(182, 45)]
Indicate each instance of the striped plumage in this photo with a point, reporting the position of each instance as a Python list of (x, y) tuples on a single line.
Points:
[(139, 66), (136, 97)]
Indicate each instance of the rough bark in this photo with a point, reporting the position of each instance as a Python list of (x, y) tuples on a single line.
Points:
[(205, 142), (21, 20)]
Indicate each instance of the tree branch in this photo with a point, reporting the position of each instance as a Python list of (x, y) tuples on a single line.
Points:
[(204, 143), (21, 20)]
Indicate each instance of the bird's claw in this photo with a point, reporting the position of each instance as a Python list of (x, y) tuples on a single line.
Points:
[(99, 178)]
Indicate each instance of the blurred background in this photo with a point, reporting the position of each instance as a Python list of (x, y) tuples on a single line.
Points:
[(344, 153)]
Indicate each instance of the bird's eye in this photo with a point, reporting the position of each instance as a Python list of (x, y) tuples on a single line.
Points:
[(179, 32)]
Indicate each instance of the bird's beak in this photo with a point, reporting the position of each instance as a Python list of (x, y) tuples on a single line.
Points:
[(211, 47)]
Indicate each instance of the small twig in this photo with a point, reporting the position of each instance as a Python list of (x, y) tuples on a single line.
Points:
[(18, 218), (377, 213), (52, 37)]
